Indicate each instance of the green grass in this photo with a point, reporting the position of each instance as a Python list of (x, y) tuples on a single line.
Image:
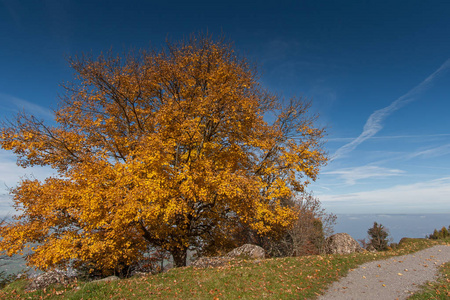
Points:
[(436, 290), (282, 278)]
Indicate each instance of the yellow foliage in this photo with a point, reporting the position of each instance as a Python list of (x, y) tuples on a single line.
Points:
[(167, 150)]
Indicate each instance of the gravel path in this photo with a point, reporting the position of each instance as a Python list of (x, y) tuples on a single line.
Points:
[(393, 278)]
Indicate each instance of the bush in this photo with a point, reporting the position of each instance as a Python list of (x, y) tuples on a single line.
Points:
[(441, 234), (152, 262), (307, 235), (393, 246), (6, 278), (444, 232), (378, 237)]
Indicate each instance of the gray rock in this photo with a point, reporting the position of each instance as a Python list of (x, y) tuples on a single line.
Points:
[(248, 251), (342, 243), (44, 280)]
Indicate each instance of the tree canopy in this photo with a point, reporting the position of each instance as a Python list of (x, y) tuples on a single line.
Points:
[(172, 149)]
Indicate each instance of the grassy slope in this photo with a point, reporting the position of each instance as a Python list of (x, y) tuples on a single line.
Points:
[(283, 278), (436, 290)]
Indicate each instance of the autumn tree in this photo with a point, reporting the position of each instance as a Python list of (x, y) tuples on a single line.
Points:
[(172, 149)]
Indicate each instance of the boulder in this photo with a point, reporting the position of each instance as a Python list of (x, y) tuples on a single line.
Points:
[(247, 251), (44, 280), (342, 243)]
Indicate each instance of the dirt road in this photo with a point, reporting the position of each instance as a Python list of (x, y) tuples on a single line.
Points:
[(393, 278)]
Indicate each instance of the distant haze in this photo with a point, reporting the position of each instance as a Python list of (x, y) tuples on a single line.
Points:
[(399, 225)]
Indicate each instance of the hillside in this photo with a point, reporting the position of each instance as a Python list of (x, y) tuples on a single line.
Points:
[(282, 278)]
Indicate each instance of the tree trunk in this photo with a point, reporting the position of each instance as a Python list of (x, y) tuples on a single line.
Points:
[(179, 257)]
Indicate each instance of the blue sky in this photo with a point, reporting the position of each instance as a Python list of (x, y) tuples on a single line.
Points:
[(378, 73)]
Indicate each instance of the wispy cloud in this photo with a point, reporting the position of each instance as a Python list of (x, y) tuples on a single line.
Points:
[(28, 107), (432, 152), (427, 197), (393, 137), (375, 122), (352, 175)]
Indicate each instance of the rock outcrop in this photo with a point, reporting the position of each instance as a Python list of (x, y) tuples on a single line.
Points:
[(342, 243)]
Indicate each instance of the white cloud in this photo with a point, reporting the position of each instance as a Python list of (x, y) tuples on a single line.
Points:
[(351, 175), (393, 137), (433, 152), (427, 197), (11, 173), (28, 107), (6, 205), (374, 122)]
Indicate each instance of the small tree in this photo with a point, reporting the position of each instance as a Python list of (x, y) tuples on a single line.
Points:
[(434, 235), (444, 232), (308, 233), (378, 237), (439, 234)]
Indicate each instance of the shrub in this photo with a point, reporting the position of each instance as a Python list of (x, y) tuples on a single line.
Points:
[(441, 234), (6, 278), (378, 237), (393, 246), (307, 235), (444, 232)]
